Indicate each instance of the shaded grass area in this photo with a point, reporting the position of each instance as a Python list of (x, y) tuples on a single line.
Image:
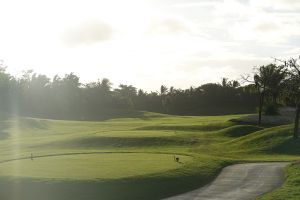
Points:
[(106, 114), (4, 134), (289, 146), (275, 140), (239, 130), (91, 142), (205, 127)]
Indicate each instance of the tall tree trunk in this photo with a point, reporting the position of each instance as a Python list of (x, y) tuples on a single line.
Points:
[(261, 101), (296, 125), (274, 99)]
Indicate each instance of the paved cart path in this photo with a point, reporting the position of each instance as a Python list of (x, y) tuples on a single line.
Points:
[(240, 182)]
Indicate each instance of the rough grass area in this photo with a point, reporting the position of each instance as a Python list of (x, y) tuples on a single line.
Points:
[(291, 188), (130, 158)]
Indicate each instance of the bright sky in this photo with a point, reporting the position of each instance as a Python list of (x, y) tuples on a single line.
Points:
[(147, 43)]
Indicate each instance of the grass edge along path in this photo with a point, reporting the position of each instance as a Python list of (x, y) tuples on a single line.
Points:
[(290, 189)]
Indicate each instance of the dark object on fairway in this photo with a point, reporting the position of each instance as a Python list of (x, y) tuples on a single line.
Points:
[(176, 159), (31, 156)]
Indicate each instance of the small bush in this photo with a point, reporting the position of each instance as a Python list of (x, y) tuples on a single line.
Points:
[(270, 109)]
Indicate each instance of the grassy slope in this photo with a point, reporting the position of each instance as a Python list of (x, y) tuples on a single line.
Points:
[(213, 142), (291, 188)]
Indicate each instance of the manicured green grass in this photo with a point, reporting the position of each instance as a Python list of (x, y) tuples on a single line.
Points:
[(103, 166), (130, 156)]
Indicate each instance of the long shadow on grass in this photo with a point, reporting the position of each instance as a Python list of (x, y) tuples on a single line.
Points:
[(208, 127), (290, 146), (4, 134), (239, 130), (25, 189), (101, 116), (33, 123), (122, 142)]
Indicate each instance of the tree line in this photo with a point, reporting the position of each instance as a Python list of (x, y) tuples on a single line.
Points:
[(37, 95), (66, 97)]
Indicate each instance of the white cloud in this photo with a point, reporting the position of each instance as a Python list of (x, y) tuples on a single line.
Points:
[(168, 26), (88, 32), (193, 4), (277, 4), (267, 27)]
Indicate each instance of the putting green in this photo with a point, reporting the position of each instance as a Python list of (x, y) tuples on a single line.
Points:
[(92, 166)]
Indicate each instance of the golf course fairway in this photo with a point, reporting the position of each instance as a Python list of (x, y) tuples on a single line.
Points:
[(134, 158)]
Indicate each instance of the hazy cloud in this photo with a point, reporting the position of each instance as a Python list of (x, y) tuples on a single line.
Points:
[(194, 3), (232, 68), (244, 1), (280, 6), (267, 26), (289, 1), (169, 26), (88, 32)]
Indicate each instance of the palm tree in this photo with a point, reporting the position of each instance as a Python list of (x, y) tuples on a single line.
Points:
[(105, 85), (293, 88), (163, 90), (269, 80), (127, 94), (163, 97)]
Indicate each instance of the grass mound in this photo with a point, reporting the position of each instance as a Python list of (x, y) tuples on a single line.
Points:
[(239, 130), (31, 123), (204, 127), (98, 142), (276, 140)]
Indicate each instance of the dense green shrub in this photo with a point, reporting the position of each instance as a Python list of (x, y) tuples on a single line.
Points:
[(271, 109)]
